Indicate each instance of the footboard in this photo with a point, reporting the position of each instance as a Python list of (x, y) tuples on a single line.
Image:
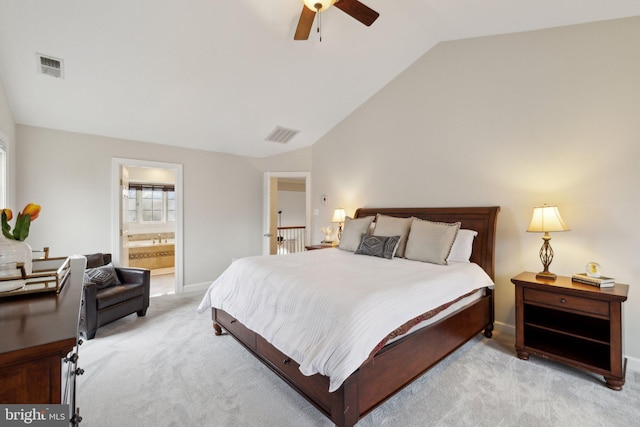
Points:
[(314, 388), (394, 367)]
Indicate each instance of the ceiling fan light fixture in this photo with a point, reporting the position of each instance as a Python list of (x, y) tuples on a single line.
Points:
[(318, 5), (310, 9)]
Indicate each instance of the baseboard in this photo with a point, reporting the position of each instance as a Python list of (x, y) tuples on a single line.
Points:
[(633, 364), (504, 328), (197, 287)]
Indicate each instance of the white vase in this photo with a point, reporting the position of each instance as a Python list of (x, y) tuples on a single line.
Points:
[(13, 252)]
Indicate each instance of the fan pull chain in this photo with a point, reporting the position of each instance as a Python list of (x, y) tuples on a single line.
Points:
[(319, 26), (318, 7)]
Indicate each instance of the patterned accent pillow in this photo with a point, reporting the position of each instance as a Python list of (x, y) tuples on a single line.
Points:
[(391, 226), (380, 246), (103, 277)]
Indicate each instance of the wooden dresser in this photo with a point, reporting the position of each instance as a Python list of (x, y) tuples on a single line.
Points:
[(40, 331)]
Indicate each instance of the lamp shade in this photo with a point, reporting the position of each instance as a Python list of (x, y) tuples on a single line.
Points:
[(324, 4), (546, 218), (338, 215)]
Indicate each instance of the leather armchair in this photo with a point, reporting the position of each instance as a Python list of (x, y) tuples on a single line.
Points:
[(102, 306)]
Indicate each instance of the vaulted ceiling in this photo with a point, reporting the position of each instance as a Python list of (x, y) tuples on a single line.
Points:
[(222, 75)]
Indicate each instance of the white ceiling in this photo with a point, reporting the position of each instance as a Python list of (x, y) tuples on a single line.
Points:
[(220, 75)]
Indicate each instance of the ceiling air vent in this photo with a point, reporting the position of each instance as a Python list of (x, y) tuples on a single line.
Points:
[(50, 66), (281, 135)]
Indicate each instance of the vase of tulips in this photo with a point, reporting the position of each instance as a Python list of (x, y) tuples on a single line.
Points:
[(13, 248)]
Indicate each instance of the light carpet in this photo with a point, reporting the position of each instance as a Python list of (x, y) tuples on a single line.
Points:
[(169, 369)]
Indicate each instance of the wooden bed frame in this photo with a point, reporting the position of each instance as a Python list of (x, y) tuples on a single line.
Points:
[(397, 364)]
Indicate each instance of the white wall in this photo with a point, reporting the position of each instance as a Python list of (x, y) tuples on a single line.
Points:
[(151, 175), (8, 134), (293, 207), (292, 161), (517, 120), (69, 174)]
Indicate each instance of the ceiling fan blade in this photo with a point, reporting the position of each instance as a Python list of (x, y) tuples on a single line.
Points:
[(358, 11), (304, 24)]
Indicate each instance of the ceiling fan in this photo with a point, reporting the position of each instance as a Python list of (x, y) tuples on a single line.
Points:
[(353, 8)]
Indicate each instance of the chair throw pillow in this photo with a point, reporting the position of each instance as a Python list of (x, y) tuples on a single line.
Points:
[(103, 277), (380, 246), (95, 260)]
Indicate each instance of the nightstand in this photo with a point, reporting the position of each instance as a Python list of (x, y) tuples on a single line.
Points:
[(579, 325)]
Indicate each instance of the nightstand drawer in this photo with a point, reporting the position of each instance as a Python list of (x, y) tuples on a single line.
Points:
[(567, 302)]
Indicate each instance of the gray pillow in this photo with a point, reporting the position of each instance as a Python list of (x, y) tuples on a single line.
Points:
[(392, 226), (380, 246), (430, 241), (103, 277), (352, 232)]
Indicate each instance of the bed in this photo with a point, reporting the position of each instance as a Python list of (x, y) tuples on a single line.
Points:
[(397, 360)]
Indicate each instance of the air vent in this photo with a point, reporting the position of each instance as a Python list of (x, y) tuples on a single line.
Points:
[(281, 135), (50, 66)]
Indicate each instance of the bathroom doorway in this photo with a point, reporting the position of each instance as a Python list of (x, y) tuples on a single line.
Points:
[(147, 225)]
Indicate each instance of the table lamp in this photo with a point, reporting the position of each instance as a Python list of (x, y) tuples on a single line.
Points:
[(544, 220), (338, 217)]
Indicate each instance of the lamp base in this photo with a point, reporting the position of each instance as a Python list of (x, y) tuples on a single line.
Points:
[(546, 275)]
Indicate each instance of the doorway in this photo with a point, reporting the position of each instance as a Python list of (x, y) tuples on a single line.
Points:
[(280, 236), (147, 220)]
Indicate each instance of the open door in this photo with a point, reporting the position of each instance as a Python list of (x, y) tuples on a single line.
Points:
[(124, 216), (120, 220), (273, 218), (270, 208)]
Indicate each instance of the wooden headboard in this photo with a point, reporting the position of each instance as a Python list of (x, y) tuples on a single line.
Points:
[(481, 219)]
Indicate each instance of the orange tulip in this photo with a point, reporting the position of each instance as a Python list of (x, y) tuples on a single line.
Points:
[(8, 213), (32, 210)]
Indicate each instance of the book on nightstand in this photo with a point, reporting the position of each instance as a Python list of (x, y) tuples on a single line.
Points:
[(601, 282)]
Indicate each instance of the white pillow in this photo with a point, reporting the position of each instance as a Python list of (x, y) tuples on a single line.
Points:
[(462, 246), (430, 241), (392, 226), (353, 231)]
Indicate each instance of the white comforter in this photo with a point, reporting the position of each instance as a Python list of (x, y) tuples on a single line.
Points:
[(328, 309)]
